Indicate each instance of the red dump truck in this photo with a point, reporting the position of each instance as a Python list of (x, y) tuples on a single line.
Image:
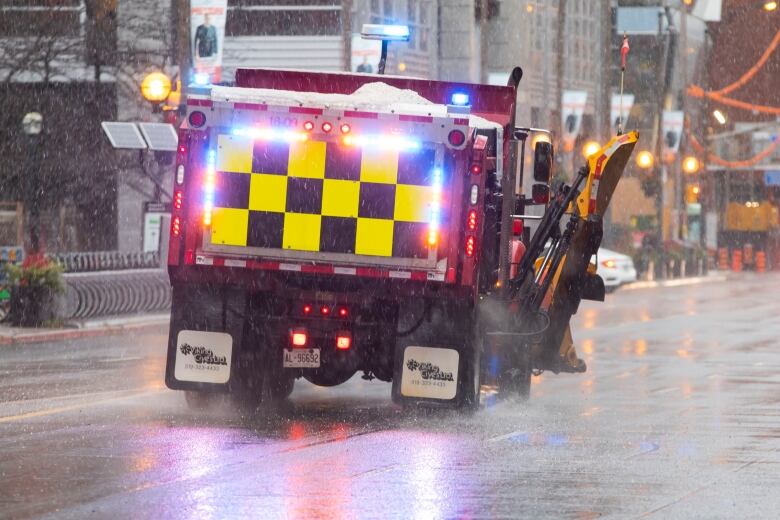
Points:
[(327, 224)]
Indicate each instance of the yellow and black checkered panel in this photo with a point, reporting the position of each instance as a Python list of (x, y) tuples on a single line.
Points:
[(325, 197)]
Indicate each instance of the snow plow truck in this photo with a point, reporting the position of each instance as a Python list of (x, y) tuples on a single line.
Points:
[(326, 225)]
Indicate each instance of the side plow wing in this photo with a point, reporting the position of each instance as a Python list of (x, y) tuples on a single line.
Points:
[(576, 279)]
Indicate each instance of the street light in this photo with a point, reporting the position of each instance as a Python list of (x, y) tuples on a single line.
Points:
[(32, 126), (590, 148), (719, 116), (645, 160), (690, 165), (770, 6), (155, 88)]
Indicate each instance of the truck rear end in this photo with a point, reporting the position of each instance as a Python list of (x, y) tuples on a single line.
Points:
[(314, 231)]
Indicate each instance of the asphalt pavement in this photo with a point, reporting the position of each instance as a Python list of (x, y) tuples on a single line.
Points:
[(677, 417)]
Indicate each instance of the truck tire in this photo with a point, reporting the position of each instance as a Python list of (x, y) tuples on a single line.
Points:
[(202, 401), (515, 383)]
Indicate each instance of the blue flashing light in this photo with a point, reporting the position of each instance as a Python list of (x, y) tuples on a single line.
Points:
[(202, 79), (396, 30), (460, 99)]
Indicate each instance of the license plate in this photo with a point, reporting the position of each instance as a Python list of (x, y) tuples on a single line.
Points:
[(301, 358)]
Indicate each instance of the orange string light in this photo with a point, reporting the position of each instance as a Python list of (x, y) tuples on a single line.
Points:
[(746, 163), (718, 95)]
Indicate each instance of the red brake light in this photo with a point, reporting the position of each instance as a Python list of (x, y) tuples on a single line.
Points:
[(325, 310), (182, 148), (308, 126), (472, 221), (307, 309), (470, 243), (176, 226), (476, 168), (343, 312), (178, 199), (517, 227), (345, 128), (456, 138), (298, 339), (343, 341), (327, 127), (197, 119)]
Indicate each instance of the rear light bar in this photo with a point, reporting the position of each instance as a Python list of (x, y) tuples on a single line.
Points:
[(176, 226), (471, 223), (178, 199), (470, 246), (337, 311), (209, 187)]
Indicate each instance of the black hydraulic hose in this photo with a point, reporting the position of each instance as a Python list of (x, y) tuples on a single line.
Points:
[(546, 229)]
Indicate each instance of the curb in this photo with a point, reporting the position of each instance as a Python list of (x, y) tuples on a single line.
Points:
[(676, 282), (86, 329)]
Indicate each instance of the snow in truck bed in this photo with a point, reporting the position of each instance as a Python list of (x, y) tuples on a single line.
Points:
[(371, 97)]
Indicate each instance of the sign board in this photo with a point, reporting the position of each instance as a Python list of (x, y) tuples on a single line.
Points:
[(614, 112), (573, 102), (672, 132), (12, 254), (157, 207), (207, 30), (365, 54), (152, 232), (772, 177)]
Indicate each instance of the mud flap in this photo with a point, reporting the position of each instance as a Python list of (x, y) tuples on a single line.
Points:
[(205, 337), (427, 375)]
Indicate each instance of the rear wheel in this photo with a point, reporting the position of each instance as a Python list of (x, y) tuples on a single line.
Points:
[(201, 401)]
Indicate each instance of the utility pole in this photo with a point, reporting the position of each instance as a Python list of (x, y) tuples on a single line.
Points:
[(666, 54), (346, 33), (181, 40), (559, 71), (559, 62)]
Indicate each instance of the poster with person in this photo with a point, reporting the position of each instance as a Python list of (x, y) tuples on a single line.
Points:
[(207, 30), (365, 55)]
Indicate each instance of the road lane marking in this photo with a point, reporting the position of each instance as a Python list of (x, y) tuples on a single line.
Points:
[(61, 409), (506, 436)]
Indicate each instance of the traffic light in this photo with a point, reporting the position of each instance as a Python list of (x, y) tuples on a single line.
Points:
[(692, 193)]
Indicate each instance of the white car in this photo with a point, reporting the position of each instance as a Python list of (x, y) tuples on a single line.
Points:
[(614, 268)]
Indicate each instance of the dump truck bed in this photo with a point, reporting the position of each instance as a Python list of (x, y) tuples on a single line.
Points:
[(369, 179)]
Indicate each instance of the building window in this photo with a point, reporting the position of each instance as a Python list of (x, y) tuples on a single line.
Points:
[(283, 18), (40, 17), (416, 15)]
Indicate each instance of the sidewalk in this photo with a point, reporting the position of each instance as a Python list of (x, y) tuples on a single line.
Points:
[(712, 276), (82, 329)]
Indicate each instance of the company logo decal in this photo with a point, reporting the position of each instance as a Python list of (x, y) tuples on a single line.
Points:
[(429, 371), (202, 355)]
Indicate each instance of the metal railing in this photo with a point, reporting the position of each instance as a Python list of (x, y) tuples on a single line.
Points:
[(109, 293), (92, 261)]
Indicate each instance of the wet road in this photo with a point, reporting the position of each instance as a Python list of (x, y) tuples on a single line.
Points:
[(677, 417)]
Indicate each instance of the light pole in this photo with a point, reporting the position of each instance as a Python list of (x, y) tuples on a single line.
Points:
[(32, 127)]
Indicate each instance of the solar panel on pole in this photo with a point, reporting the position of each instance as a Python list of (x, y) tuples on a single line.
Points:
[(123, 135), (160, 136)]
